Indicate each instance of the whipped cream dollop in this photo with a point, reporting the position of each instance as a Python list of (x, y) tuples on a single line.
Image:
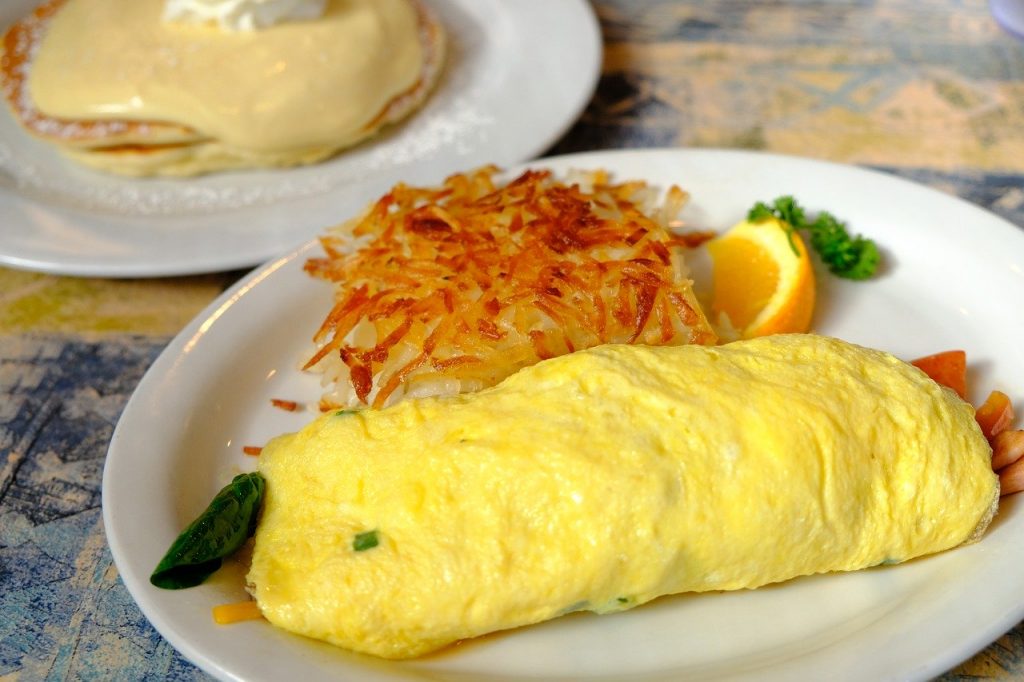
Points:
[(242, 15)]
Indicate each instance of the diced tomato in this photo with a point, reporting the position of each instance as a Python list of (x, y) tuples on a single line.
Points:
[(948, 368), (995, 415)]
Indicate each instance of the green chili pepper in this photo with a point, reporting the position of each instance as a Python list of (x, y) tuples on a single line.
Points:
[(219, 531)]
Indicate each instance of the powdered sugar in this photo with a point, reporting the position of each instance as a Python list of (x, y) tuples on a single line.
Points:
[(27, 38)]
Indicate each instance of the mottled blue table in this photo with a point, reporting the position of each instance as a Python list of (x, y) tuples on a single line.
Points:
[(932, 91)]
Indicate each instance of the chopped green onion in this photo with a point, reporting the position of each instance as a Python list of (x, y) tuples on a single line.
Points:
[(365, 541)]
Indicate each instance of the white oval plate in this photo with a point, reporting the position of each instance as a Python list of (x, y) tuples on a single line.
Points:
[(518, 75), (951, 269)]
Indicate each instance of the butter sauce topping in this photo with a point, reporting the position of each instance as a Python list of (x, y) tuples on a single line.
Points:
[(295, 85)]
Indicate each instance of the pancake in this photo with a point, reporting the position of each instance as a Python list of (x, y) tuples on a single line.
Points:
[(140, 147)]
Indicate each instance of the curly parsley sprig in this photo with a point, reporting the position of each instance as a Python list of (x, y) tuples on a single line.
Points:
[(852, 257)]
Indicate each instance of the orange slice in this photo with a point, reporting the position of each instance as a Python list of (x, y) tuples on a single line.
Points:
[(763, 280)]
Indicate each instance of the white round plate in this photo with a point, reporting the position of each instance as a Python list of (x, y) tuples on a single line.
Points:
[(518, 75), (950, 269)]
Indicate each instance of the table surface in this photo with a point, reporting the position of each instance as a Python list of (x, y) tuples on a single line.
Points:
[(932, 90)]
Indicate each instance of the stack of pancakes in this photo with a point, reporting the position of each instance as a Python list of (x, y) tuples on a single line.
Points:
[(135, 146)]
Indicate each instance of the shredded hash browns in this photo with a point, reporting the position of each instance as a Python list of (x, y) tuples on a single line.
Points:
[(451, 289)]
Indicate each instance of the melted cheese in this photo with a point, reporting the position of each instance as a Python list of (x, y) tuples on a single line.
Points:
[(292, 86)]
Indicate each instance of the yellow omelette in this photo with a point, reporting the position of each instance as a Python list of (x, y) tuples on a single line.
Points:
[(606, 478)]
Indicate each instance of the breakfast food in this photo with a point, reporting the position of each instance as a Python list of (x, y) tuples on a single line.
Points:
[(605, 478), (763, 280), (115, 86), (451, 289)]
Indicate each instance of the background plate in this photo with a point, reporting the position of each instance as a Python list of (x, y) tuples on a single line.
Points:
[(950, 268), (519, 73)]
